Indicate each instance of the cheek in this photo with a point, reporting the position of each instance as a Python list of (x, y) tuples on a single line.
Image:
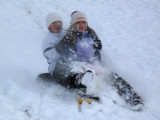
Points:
[(76, 26), (51, 26), (85, 25)]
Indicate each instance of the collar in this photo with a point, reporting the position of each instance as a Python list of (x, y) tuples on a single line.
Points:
[(82, 34)]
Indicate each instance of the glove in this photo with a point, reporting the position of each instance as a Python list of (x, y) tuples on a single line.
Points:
[(97, 44), (70, 38)]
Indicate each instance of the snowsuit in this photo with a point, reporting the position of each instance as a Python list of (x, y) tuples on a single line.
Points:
[(75, 46), (48, 48)]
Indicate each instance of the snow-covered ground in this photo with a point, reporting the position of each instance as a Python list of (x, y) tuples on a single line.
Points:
[(129, 30)]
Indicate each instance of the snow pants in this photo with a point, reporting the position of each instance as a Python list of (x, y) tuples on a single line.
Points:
[(62, 73)]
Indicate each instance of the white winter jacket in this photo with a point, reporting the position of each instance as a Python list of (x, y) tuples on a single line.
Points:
[(48, 48)]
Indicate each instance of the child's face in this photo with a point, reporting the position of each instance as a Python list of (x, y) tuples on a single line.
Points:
[(81, 26), (55, 27)]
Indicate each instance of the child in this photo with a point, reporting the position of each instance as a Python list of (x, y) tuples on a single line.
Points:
[(55, 34), (80, 44)]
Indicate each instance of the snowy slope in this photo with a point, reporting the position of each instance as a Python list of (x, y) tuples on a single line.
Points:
[(129, 30)]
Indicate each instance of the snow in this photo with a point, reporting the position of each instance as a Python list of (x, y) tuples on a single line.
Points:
[(129, 31)]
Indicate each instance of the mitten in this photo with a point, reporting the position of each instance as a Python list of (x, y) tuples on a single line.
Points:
[(70, 38), (97, 44)]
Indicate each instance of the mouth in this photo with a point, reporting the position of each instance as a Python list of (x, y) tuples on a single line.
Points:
[(57, 28), (81, 29)]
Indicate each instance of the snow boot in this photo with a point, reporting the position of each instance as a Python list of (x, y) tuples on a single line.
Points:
[(79, 81)]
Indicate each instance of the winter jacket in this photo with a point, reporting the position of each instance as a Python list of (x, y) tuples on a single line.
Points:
[(48, 48), (79, 46)]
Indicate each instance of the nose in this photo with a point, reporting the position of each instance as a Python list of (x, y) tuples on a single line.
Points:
[(81, 25)]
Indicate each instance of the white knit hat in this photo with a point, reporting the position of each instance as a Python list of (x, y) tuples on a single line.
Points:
[(78, 16), (52, 17)]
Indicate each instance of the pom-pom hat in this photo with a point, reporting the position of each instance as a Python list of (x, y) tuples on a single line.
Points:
[(77, 16), (52, 17)]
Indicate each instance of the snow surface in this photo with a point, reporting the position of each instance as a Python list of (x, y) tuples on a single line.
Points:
[(129, 30)]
